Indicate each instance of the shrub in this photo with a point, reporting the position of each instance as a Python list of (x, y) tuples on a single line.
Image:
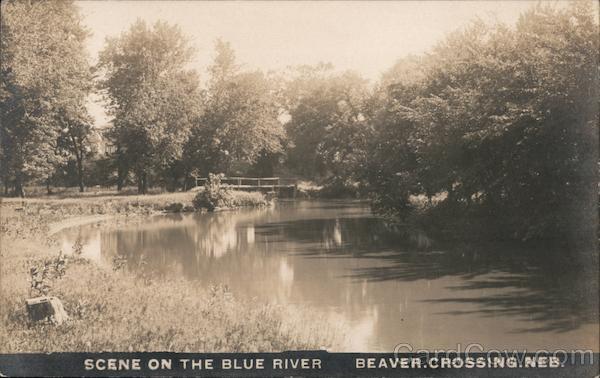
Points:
[(214, 194), (42, 273)]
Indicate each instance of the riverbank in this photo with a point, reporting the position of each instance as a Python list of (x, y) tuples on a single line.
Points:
[(113, 310)]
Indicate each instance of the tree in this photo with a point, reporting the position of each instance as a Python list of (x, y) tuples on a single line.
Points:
[(75, 137), (328, 127), (503, 121), (44, 69), (240, 118), (153, 97)]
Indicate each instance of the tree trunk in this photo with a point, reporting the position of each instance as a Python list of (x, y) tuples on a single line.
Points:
[(142, 183), (185, 181), (121, 172), (48, 189), (19, 192), (119, 183), (80, 174)]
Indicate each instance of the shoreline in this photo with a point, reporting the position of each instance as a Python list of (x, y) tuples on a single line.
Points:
[(56, 227)]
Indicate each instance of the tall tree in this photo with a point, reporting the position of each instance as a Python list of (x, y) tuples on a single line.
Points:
[(240, 119), (328, 126), (75, 137), (153, 97), (505, 119), (44, 69)]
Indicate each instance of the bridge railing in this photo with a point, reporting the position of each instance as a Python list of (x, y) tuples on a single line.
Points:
[(258, 182)]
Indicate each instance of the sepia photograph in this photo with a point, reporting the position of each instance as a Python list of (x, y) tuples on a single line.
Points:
[(299, 188)]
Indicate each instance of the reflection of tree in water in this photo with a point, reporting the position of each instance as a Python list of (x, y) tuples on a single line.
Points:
[(147, 249), (188, 244), (540, 283), (343, 234)]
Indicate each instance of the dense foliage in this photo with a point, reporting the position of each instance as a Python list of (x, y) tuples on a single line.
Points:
[(153, 98), (240, 119), (327, 127), (502, 123), (44, 82)]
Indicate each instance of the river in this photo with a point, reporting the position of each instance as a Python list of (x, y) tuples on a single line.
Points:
[(392, 286)]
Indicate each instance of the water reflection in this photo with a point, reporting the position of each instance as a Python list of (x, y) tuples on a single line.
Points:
[(392, 285)]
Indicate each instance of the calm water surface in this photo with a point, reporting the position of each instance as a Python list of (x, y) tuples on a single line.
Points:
[(391, 285)]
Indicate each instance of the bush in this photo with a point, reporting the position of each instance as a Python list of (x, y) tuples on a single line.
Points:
[(214, 194)]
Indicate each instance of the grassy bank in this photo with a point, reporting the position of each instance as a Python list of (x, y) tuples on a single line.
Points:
[(112, 310)]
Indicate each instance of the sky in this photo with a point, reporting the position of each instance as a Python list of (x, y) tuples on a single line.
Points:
[(367, 37)]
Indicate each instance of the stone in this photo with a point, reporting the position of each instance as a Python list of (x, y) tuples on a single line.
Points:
[(46, 308)]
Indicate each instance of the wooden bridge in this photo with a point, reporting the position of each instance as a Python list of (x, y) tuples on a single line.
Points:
[(264, 184)]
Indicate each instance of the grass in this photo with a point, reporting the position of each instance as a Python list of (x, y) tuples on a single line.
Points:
[(113, 310), (131, 204), (248, 199)]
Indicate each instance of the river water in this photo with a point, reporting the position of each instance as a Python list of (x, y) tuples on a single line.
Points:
[(390, 285)]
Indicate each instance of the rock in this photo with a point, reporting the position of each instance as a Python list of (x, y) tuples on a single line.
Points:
[(46, 308)]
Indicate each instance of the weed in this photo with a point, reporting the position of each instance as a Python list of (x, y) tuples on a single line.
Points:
[(43, 273)]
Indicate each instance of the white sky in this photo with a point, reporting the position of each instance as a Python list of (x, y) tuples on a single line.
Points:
[(367, 37)]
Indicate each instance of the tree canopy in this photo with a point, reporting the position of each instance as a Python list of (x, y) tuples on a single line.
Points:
[(327, 126), (240, 118), (503, 118), (153, 96), (44, 75)]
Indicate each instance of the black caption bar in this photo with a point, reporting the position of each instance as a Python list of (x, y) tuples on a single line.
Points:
[(306, 363)]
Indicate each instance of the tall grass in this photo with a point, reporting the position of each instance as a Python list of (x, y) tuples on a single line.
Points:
[(119, 312)]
